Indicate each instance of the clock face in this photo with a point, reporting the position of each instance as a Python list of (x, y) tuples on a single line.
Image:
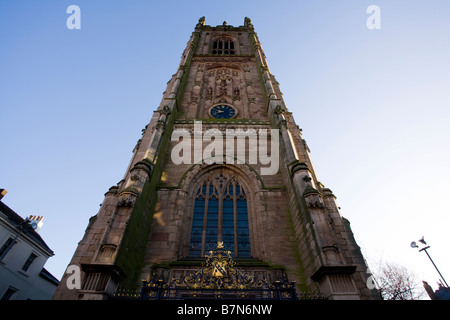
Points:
[(223, 111)]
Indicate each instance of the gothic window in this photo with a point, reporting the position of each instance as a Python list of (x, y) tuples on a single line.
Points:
[(223, 45), (220, 215)]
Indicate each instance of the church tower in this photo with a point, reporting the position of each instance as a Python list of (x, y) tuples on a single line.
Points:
[(221, 165)]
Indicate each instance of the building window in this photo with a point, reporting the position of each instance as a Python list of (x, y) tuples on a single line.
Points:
[(220, 215), (223, 45), (29, 261), (6, 247), (9, 293)]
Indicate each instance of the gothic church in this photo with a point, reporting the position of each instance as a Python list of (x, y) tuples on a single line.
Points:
[(185, 199)]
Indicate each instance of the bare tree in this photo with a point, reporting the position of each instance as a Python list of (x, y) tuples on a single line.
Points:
[(395, 282)]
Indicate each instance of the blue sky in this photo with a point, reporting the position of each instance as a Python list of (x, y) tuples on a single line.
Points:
[(374, 106)]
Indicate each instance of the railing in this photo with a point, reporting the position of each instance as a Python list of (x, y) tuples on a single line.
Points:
[(217, 279), (159, 290)]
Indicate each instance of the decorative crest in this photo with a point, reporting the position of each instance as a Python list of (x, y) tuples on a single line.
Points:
[(219, 271)]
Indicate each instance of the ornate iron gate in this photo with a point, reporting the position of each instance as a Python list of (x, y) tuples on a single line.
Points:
[(218, 279)]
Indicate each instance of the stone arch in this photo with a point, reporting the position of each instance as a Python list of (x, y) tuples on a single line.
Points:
[(252, 185), (223, 44)]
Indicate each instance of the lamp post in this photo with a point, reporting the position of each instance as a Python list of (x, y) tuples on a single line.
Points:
[(414, 245)]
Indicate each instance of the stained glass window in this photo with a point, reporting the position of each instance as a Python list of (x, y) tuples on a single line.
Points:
[(220, 214)]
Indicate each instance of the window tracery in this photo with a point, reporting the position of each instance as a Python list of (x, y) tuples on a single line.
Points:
[(223, 45), (220, 215)]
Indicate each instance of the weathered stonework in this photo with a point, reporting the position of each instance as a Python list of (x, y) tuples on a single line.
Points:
[(143, 227)]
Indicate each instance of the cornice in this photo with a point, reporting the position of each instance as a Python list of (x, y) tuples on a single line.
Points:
[(223, 58)]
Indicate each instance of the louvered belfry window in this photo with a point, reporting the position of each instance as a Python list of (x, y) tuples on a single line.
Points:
[(223, 45)]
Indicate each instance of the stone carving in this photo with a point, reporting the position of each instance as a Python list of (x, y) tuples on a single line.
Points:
[(127, 199), (236, 94), (313, 198), (209, 94)]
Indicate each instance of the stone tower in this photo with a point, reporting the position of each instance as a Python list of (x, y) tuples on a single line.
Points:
[(221, 161)]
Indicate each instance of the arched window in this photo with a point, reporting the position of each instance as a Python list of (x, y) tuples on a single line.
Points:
[(220, 215), (223, 45)]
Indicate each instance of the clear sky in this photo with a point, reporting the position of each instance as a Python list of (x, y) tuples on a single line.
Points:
[(374, 106)]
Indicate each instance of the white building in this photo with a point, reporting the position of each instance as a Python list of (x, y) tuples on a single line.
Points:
[(23, 254)]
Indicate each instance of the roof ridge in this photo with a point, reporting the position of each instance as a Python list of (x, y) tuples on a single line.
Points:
[(17, 220)]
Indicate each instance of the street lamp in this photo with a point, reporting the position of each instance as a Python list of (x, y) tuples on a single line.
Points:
[(422, 240)]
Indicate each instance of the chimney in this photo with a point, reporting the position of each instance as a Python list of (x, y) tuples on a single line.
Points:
[(2, 193), (36, 222)]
